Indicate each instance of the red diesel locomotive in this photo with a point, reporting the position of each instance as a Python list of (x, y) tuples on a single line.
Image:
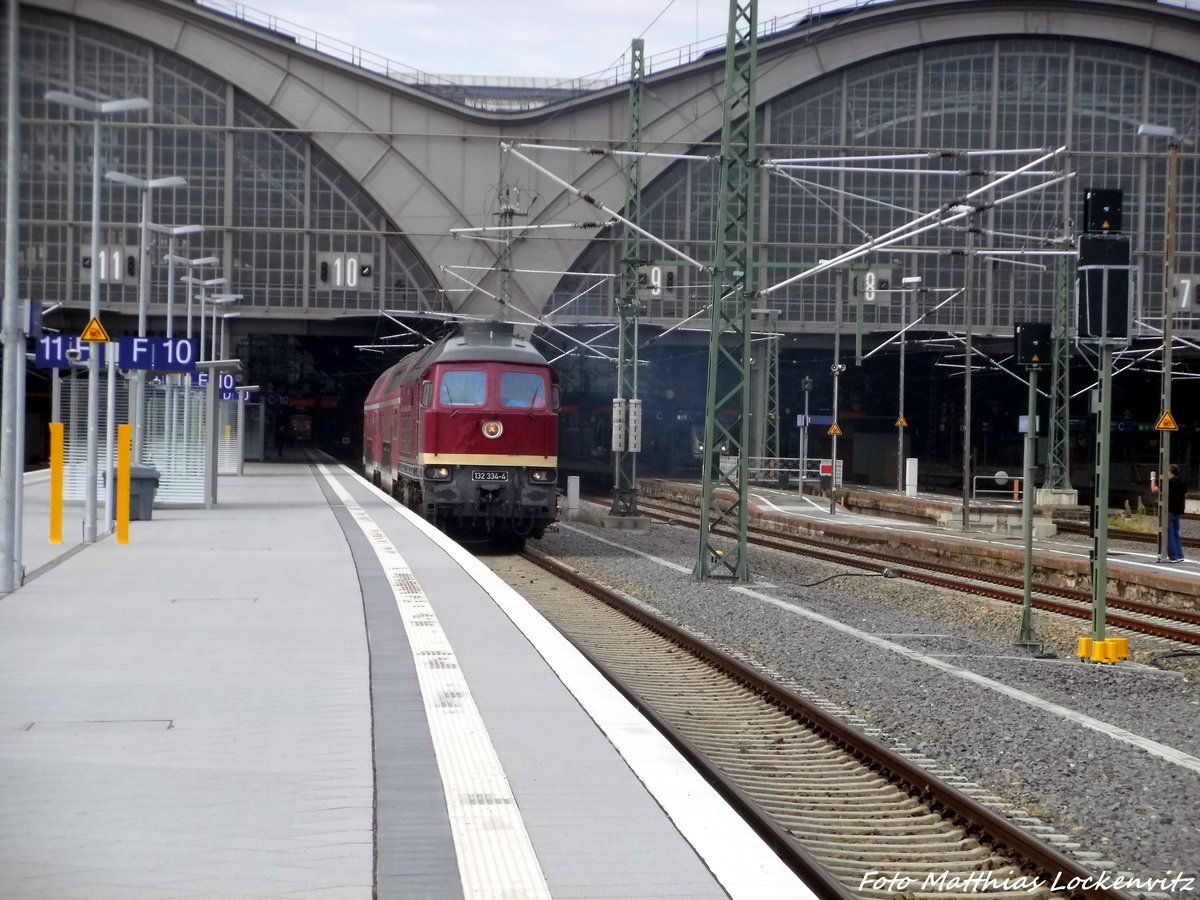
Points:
[(465, 432)]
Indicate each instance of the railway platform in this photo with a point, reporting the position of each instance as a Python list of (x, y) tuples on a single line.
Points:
[(309, 692), (930, 525)]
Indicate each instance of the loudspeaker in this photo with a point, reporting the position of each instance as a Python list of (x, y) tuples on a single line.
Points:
[(1033, 344), (1102, 211)]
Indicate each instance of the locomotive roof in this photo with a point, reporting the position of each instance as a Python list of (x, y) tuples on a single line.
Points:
[(494, 342), (470, 342)]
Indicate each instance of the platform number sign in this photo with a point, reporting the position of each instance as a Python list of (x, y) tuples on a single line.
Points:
[(117, 264), (875, 284), (656, 282), (1185, 291), (226, 383), (345, 271)]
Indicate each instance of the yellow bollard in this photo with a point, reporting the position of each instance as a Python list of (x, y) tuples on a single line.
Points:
[(1120, 647), (56, 482), (1102, 652), (1084, 650), (124, 451)]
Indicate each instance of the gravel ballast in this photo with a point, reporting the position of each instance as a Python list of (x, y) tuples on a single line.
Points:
[(1115, 799)]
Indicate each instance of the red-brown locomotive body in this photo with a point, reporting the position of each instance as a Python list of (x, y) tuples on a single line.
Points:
[(466, 433)]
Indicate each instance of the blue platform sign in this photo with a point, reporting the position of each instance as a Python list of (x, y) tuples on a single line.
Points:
[(157, 354), (228, 384), (62, 351)]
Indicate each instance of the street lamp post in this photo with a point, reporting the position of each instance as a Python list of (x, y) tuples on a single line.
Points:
[(224, 349), (806, 386), (214, 301), (12, 409), (1164, 436), (171, 259), (202, 284), (139, 382), (97, 109)]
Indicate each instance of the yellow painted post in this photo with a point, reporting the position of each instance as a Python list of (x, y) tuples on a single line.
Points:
[(1016, 488), (56, 482), (228, 434), (124, 451)]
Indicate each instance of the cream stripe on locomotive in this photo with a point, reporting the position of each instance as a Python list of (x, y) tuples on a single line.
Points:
[(487, 459)]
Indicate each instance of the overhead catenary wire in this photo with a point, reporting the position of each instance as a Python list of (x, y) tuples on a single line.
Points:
[(587, 198), (606, 151), (928, 154), (548, 226), (959, 208)]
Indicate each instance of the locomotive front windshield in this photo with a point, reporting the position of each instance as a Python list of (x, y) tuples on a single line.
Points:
[(463, 388), (522, 390)]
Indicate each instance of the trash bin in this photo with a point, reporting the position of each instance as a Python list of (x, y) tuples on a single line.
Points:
[(143, 483)]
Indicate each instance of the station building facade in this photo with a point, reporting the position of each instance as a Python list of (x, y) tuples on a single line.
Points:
[(334, 194)]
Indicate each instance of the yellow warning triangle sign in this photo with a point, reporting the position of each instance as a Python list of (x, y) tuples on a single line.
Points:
[(94, 333), (902, 422), (834, 430), (1035, 359), (1166, 422)]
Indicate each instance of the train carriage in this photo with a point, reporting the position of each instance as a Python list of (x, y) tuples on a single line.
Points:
[(465, 432)]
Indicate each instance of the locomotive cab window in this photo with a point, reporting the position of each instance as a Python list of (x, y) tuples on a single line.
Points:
[(522, 390), (463, 388), (427, 394)]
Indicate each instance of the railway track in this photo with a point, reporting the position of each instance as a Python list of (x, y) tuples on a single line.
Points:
[(1181, 626), (834, 803)]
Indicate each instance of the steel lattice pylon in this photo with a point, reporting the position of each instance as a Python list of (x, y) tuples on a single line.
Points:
[(771, 447), (1058, 461), (626, 437), (733, 288)]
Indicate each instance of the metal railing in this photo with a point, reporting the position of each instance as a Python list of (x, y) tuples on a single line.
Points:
[(785, 470), (997, 487)]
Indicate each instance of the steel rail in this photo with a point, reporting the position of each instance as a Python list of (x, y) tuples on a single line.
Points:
[(977, 819), (967, 581)]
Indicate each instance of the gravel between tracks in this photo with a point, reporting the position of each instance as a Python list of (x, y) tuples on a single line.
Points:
[(1117, 800)]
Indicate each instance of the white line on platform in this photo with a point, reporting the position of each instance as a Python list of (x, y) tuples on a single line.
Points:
[(1154, 748), (745, 866), (496, 859)]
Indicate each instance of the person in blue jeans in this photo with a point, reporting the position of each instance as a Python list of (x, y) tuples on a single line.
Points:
[(1176, 493)]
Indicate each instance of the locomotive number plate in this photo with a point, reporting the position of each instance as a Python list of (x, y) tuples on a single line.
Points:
[(489, 476)]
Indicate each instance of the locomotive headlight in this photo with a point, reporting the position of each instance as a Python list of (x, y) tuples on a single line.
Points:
[(437, 473), (492, 429), (543, 475)]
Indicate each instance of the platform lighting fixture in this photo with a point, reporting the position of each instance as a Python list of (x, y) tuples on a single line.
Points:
[(224, 316), (215, 301), (171, 259), (97, 109), (1164, 440), (202, 283)]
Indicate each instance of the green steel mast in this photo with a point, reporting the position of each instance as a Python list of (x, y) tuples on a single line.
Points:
[(771, 444), (627, 431), (1058, 460), (733, 287)]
